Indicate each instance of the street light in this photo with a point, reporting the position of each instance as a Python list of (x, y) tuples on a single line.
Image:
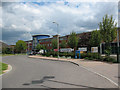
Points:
[(28, 47), (57, 38), (118, 45), (28, 50)]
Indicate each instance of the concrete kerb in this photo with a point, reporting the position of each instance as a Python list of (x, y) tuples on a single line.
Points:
[(6, 71), (56, 60), (78, 64)]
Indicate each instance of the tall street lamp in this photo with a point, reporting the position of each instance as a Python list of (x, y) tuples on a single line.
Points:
[(118, 46), (28, 50), (57, 38)]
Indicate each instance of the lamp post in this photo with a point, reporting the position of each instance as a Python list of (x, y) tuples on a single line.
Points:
[(28, 47), (28, 50), (118, 46), (57, 38)]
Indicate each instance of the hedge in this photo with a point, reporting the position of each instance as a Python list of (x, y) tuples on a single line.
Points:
[(88, 56)]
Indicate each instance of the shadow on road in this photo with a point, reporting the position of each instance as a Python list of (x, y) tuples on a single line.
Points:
[(40, 81), (47, 78)]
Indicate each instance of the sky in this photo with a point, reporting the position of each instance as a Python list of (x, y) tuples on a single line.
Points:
[(19, 20)]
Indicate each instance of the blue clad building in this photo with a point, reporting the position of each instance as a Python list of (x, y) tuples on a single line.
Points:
[(36, 39)]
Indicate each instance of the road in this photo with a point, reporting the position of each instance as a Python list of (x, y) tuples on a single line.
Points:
[(37, 73)]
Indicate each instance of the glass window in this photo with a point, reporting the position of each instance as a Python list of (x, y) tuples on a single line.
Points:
[(61, 38)]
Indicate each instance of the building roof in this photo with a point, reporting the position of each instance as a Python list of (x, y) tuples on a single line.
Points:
[(46, 38), (3, 45), (41, 35), (29, 41)]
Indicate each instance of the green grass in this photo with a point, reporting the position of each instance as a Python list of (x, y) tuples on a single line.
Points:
[(3, 67), (6, 54), (11, 54)]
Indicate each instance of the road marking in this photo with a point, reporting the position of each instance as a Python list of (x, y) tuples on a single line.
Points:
[(100, 75), (95, 73)]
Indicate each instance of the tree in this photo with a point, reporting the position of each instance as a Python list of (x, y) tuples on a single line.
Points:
[(54, 44), (108, 31), (95, 38), (38, 47), (6, 50), (20, 46), (73, 40), (63, 44)]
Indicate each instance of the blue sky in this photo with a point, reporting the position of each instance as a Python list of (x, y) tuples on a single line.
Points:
[(20, 20)]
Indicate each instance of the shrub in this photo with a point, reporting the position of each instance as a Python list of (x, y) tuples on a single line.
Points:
[(86, 58), (83, 55), (92, 56), (109, 59), (47, 54)]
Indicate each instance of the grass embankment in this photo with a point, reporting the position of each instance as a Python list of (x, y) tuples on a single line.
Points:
[(3, 67)]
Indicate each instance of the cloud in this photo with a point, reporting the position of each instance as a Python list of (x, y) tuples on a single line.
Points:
[(21, 20), (60, 1)]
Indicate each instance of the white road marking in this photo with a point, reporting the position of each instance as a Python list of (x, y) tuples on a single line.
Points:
[(100, 75)]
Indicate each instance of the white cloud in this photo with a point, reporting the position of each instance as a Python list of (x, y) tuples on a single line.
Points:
[(37, 19), (60, 1)]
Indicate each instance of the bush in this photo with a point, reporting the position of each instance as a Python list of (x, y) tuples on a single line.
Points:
[(47, 54), (92, 56), (83, 55), (86, 58), (6, 51), (109, 59)]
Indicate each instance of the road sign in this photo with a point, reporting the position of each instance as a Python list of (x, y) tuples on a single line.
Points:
[(66, 50), (94, 49), (55, 50), (77, 52), (83, 49)]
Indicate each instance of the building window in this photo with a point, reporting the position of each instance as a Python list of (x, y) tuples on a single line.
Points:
[(61, 38)]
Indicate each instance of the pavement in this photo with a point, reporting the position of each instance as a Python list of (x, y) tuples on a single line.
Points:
[(43, 73), (108, 71)]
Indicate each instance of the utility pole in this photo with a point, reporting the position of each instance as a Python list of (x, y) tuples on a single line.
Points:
[(118, 46), (57, 38)]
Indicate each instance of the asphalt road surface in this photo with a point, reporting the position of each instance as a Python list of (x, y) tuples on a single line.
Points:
[(37, 73)]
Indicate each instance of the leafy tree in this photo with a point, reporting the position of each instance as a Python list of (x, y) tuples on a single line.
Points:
[(6, 50), (44, 47), (54, 43), (38, 47), (108, 31), (20, 46), (63, 44), (73, 40), (95, 38)]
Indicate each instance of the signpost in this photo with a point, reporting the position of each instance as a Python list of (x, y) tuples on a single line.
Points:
[(83, 49), (55, 50), (77, 52), (66, 50), (94, 49)]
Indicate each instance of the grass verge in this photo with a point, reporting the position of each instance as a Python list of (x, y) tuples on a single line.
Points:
[(11, 54), (3, 67)]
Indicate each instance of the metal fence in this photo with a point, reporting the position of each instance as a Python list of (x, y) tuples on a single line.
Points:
[(113, 47)]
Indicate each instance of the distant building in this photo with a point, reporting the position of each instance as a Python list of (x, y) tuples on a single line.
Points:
[(31, 44), (46, 41), (84, 41)]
